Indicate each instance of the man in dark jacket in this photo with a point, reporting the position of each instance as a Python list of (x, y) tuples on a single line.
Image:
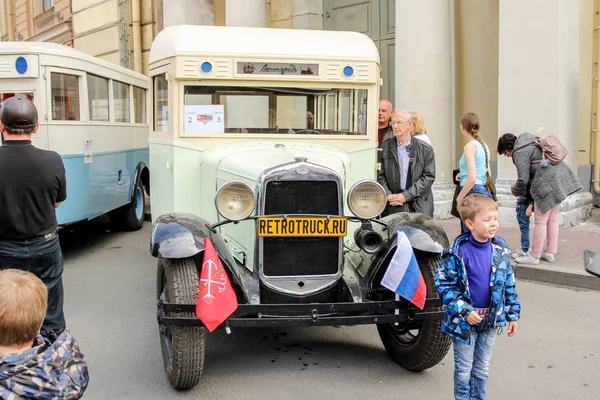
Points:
[(384, 129), (407, 169), (32, 185)]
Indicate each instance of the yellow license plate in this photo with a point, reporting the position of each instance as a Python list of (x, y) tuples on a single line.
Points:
[(302, 226)]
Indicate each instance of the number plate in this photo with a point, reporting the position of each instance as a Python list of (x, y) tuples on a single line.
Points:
[(302, 226)]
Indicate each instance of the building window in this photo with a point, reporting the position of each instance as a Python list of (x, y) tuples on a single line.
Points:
[(65, 97), (121, 101), (98, 98), (46, 4), (161, 104), (139, 105)]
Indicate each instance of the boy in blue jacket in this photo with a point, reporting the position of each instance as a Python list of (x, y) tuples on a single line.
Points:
[(477, 285)]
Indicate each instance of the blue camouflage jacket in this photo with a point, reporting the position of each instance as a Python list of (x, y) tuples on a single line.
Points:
[(453, 286), (46, 371)]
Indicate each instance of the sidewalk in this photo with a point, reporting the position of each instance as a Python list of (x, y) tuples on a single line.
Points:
[(568, 269)]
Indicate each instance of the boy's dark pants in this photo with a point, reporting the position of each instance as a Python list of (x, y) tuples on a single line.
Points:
[(523, 223), (42, 257)]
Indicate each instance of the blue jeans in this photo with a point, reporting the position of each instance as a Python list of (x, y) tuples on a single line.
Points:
[(476, 189), (472, 362), (42, 257), (523, 220)]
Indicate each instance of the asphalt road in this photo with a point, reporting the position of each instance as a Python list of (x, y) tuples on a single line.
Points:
[(110, 308)]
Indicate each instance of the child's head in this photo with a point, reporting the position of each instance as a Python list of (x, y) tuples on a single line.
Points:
[(480, 214), (23, 302)]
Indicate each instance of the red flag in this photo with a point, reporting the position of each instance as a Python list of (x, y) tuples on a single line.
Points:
[(216, 298)]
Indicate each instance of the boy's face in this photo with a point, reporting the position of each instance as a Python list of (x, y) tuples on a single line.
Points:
[(485, 224)]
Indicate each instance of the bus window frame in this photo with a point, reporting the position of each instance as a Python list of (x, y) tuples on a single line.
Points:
[(83, 94), (180, 100)]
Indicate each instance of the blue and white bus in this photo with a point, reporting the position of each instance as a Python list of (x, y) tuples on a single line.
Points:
[(93, 113)]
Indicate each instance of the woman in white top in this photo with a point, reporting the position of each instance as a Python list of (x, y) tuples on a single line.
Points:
[(419, 131)]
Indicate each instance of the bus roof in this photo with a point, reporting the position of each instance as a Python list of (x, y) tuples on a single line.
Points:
[(63, 51), (262, 42)]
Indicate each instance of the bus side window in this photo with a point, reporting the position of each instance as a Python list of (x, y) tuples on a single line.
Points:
[(98, 97), (161, 104), (121, 101), (139, 105), (65, 97)]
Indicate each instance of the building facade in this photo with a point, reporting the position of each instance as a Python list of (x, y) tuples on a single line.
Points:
[(36, 20), (520, 65)]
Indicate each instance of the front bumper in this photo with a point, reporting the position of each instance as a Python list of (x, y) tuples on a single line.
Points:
[(311, 314)]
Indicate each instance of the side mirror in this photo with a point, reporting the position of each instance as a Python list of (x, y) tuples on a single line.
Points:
[(592, 262)]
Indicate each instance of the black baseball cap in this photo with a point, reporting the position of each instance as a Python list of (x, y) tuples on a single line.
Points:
[(18, 113)]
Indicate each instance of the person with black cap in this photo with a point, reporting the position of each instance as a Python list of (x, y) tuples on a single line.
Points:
[(32, 185)]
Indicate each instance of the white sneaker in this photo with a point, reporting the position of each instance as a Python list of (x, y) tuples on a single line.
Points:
[(528, 259), (519, 254), (549, 257)]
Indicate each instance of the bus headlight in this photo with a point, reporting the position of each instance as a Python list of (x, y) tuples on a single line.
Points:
[(367, 199), (235, 200)]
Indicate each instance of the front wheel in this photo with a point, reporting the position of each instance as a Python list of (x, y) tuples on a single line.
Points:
[(182, 347), (419, 346)]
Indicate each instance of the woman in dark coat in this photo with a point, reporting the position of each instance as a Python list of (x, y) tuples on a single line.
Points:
[(549, 186)]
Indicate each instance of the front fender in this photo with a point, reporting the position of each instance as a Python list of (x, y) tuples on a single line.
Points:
[(423, 232), (180, 235)]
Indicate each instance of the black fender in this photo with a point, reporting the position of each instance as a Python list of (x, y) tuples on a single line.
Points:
[(141, 169), (180, 235), (423, 232)]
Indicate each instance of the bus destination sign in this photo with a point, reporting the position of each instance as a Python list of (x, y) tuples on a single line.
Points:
[(256, 68)]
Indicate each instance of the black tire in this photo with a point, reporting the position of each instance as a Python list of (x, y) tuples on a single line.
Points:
[(429, 346), (130, 217), (182, 348)]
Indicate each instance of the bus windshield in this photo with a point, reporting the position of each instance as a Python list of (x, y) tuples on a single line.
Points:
[(274, 110)]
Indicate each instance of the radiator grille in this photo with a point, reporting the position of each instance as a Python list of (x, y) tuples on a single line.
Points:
[(301, 256)]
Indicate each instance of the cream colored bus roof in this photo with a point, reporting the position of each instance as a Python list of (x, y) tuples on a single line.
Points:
[(262, 42), (63, 51)]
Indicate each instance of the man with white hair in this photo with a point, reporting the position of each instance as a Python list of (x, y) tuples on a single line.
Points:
[(407, 169)]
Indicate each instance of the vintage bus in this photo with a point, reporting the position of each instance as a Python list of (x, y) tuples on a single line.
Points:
[(264, 141), (93, 113)]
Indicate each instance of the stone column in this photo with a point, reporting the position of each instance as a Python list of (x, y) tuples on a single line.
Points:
[(188, 12), (538, 87), (424, 81), (246, 13)]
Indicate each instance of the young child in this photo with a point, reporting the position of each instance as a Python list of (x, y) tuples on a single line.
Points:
[(524, 211), (477, 285), (30, 366)]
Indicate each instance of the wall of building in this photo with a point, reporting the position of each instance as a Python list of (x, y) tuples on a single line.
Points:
[(476, 63), (3, 20), (95, 28)]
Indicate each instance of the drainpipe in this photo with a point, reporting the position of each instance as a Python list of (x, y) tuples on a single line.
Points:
[(11, 20), (137, 35), (596, 89)]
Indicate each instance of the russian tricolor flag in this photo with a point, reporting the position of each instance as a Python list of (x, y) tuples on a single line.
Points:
[(403, 275)]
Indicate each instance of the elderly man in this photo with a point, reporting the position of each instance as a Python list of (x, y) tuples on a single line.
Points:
[(384, 130), (407, 169)]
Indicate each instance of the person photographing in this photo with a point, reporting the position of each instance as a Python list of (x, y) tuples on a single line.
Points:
[(32, 185)]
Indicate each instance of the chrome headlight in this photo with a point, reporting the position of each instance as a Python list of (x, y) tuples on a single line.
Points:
[(235, 200), (367, 199)]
